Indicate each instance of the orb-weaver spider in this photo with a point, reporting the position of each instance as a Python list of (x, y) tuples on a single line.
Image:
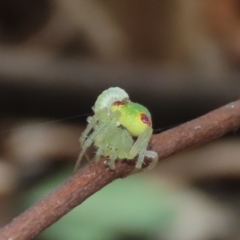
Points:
[(119, 129)]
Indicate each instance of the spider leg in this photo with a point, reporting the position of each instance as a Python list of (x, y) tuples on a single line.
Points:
[(92, 122), (102, 129), (79, 160), (86, 156), (142, 150), (154, 156), (98, 155), (140, 146), (111, 162), (99, 133), (82, 139)]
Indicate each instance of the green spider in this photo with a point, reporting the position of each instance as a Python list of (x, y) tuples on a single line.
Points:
[(119, 129)]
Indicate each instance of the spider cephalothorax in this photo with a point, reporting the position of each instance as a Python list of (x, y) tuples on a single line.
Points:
[(119, 129)]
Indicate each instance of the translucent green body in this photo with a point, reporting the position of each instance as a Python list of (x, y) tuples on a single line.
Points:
[(119, 130)]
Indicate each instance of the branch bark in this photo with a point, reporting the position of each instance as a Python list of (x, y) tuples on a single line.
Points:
[(95, 176)]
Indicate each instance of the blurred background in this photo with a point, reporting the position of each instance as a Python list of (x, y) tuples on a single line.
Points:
[(180, 58)]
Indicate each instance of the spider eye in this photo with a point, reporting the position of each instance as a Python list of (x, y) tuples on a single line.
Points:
[(146, 119), (118, 103)]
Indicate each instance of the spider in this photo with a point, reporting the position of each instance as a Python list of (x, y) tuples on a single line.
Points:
[(119, 129)]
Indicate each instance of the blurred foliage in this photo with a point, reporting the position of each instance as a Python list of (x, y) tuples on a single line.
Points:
[(128, 207)]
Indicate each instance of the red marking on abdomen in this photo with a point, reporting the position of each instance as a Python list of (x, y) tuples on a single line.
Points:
[(146, 119)]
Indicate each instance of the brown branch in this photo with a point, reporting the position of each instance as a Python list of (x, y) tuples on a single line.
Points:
[(97, 175)]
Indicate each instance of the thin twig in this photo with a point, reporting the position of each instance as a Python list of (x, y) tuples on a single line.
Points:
[(97, 175)]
